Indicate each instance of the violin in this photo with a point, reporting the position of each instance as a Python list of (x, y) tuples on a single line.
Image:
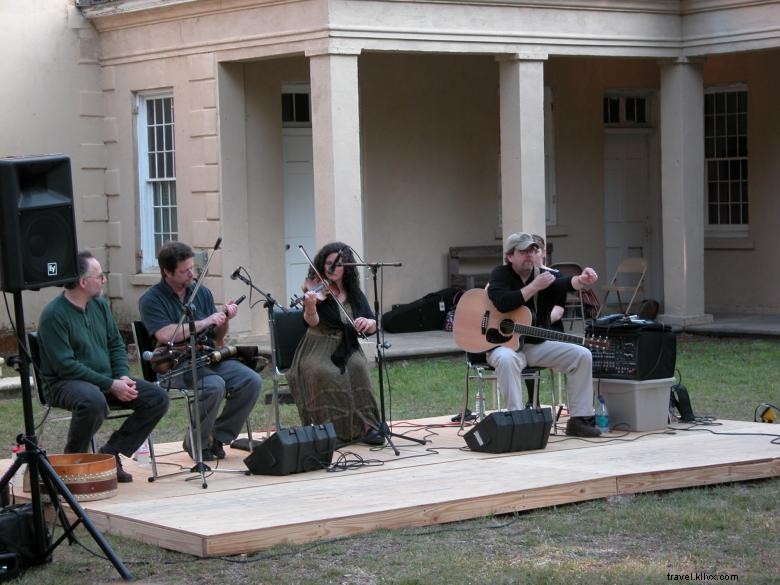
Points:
[(321, 288)]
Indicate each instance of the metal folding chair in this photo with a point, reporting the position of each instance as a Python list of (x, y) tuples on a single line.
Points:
[(33, 346), (144, 342), (573, 310), (629, 278), (480, 372)]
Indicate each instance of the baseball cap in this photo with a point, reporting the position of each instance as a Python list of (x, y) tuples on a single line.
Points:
[(519, 241)]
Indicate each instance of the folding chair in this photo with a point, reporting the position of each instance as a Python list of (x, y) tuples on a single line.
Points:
[(144, 342), (287, 330), (573, 311), (480, 372), (629, 278), (33, 345)]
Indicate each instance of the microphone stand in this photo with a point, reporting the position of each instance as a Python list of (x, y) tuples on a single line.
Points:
[(381, 345), (269, 304)]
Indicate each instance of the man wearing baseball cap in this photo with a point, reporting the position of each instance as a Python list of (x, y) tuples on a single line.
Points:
[(518, 282)]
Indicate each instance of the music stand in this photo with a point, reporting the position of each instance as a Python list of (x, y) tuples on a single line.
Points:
[(40, 469), (381, 345)]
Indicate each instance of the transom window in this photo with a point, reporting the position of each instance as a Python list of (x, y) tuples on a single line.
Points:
[(625, 110), (296, 105), (157, 175), (726, 159)]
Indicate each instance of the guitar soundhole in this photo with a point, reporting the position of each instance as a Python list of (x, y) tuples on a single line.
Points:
[(507, 326), (494, 336)]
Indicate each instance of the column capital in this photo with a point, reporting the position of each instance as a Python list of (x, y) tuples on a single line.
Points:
[(682, 60), (332, 51), (527, 56)]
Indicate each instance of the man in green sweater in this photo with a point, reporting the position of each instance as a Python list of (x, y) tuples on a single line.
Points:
[(84, 365)]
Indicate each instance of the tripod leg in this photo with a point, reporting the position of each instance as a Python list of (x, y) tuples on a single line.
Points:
[(47, 471)]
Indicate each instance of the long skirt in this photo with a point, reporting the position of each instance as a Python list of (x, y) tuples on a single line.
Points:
[(323, 394)]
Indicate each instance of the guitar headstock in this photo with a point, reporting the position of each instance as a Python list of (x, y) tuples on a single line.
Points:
[(600, 343)]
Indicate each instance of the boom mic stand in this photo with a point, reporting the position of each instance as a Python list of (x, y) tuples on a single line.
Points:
[(40, 470), (381, 345), (269, 305)]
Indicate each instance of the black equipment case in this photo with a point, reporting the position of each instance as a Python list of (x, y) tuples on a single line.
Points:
[(425, 314)]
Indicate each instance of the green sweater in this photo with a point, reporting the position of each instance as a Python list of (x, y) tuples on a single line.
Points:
[(81, 345)]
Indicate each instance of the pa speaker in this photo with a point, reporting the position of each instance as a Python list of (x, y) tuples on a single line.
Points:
[(38, 241), (293, 450), (511, 430)]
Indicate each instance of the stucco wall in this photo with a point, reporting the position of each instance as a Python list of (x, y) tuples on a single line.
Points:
[(50, 102), (430, 163), (578, 86), (732, 275)]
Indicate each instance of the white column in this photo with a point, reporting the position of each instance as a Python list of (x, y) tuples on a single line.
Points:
[(522, 144), (338, 205), (682, 192)]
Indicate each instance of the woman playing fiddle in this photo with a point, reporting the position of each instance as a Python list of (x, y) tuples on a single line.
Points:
[(329, 377)]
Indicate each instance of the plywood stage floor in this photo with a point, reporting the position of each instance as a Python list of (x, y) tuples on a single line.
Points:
[(436, 483)]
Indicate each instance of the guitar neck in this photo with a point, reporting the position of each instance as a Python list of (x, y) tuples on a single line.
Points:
[(548, 334)]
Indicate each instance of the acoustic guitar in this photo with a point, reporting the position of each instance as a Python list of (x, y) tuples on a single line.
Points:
[(479, 326)]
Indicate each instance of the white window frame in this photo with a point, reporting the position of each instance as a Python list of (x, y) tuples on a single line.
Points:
[(148, 247), (725, 230)]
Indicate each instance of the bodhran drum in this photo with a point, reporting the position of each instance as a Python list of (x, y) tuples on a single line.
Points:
[(88, 476)]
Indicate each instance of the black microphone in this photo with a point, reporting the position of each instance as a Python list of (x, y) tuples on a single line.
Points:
[(157, 354), (236, 272), (218, 243)]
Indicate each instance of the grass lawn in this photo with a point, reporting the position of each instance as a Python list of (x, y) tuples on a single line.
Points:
[(721, 531)]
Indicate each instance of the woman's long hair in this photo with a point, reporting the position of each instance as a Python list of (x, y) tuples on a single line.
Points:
[(350, 280)]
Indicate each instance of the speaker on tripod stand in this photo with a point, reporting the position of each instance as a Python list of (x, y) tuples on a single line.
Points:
[(38, 236), (38, 249)]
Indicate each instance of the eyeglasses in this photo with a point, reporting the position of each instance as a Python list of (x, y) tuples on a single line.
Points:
[(188, 270), (100, 276)]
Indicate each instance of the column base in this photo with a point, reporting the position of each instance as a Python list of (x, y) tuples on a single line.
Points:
[(685, 320)]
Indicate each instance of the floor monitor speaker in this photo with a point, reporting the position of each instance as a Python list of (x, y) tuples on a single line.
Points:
[(293, 450), (38, 237), (511, 430)]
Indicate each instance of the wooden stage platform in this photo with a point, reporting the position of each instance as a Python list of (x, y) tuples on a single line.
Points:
[(436, 483)]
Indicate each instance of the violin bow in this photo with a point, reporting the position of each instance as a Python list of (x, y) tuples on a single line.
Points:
[(327, 285)]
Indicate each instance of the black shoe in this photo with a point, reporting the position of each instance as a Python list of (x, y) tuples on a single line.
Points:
[(205, 455), (217, 448), (121, 475), (372, 437), (582, 426)]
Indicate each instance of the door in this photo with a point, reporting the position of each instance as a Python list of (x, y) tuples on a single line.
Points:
[(298, 205), (631, 209)]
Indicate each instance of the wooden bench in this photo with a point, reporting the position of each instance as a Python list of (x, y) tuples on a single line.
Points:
[(470, 266)]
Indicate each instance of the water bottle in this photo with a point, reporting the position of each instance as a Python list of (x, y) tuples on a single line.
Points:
[(479, 404), (602, 416), (142, 454)]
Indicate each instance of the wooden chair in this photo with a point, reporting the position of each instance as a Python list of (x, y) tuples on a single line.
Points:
[(629, 278), (33, 345)]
